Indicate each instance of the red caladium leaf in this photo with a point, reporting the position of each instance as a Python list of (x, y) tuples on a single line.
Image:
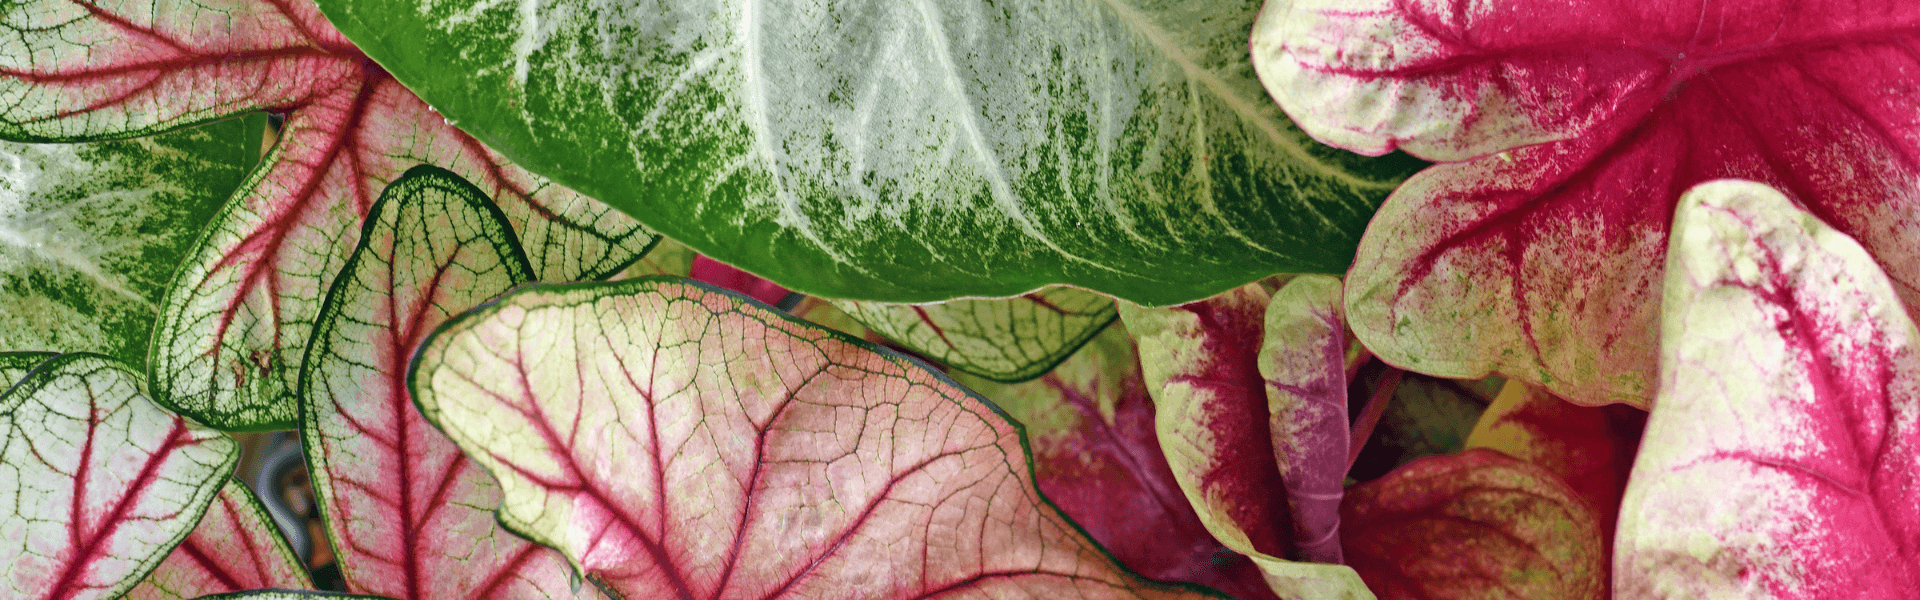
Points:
[(1473, 525), (232, 326), (409, 515), (1579, 126), (97, 483), (1779, 458), (1589, 447), (234, 548), (1304, 363), (1201, 366), (679, 441), (1090, 423)]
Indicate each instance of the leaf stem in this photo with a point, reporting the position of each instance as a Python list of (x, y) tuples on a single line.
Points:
[(1370, 414)]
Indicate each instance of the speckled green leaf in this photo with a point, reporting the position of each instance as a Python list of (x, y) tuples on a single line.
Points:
[(904, 151), (1003, 339), (90, 234)]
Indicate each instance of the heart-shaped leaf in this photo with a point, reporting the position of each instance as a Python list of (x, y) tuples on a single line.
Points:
[(1003, 339), (1211, 415), (1779, 458), (905, 151), (90, 234), (1095, 455), (1591, 448), (234, 548), (1304, 363), (409, 515), (97, 483), (1580, 125), (1473, 525), (679, 441), (228, 341)]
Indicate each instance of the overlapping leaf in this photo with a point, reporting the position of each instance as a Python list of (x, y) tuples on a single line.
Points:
[(678, 441), (905, 151), (1004, 339), (1779, 458), (1590, 448), (410, 517), (1579, 126), (15, 365), (1095, 455), (97, 483), (234, 548), (1202, 368), (1423, 416), (226, 347), (90, 234), (1304, 363), (1473, 526), (288, 595)]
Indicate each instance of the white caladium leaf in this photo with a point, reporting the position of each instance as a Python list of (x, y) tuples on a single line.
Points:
[(1779, 457), (227, 344), (90, 234), (410, 517), (235, 547), (97, 483), (679, 441), (1006, 339)]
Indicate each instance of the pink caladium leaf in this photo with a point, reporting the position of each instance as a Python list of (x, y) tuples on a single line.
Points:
[(235, 547), (410, 517), (1304, 363), (1578, 126), (97, 483), (675, 440), (1779, 458), (1201, 366), (1090, 424), (1473, 525), (226, 347), (1591, 448)]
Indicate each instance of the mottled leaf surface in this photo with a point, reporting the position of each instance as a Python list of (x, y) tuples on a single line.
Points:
[(1478, 525), (227, 346), (1002, 339), (90, 234), (1201, 365), (1778, 460), (905, 151), (1304, 363), (679, 441), (97, 483), (1591, 448), (235, 547), (1578, 127), (411, 517), (1090, 425)]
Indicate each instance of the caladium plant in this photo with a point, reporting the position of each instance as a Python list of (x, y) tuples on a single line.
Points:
[(1044, 233)]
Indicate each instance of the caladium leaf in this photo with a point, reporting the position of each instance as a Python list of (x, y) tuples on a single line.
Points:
[(1540, 255), (97, 483), (1004, 339), (90, 234), (1778, 460), (905, 152), (287, 595), (235, 547), (677, 440), (1090, 424), (1473, 525), (225, 350), (410, 517), (666, 257), (1304, 363), (1201, 366), (14, 366), (1590, 448)]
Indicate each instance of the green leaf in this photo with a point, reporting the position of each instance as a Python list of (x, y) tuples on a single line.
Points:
[(90, 234), (676, 440), (905, 151), (1004, 339)]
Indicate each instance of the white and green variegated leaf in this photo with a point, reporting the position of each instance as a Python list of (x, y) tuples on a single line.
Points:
[(15, 365), (97, 483), (904, 151), (404, 507), (1003, 339), (90, 234)]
